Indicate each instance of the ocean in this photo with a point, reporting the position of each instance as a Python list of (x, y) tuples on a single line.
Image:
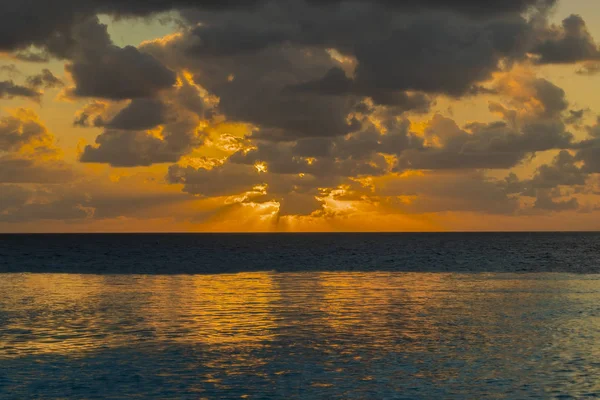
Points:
[(300, 316)]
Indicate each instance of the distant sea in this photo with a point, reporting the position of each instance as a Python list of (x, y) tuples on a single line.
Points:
[(227, 253), (300, 316)]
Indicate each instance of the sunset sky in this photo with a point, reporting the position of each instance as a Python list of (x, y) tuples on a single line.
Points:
[(299, 115)]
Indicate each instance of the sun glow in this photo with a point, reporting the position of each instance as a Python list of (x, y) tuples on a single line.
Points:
[(260, 167)]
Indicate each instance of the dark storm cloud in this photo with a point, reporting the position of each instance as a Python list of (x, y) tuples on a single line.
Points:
[(394, 51), (336, 83), (312, 110), (48, 23), (396, 43), (431, 54), (473, 7), (101, 69), (8, 89), (269, 67), (147, 131), (567, 44), (126, 73), (140, 114), (128, 148), (248, 94), (39, 22)]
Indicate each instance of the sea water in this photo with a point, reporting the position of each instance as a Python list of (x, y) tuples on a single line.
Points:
[(313, 317)]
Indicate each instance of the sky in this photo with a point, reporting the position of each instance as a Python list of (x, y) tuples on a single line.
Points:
[(299, 115)]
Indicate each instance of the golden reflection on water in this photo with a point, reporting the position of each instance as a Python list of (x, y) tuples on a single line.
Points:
[(216, 310), (326, 327), (77, 313)]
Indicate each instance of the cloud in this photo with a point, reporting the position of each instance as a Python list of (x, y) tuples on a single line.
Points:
[(563, 171), (529, 98), (548, 181), (589, 69), (10, 70), (20, 204), (222, 180), (45, 79), (101, 69), (589, 154), (140, 114), (92, 114), (148, 131), (324, 60), (28, 153), (356, 154), (483, 146), (445, 192), (575, 117), (49, 23), (336, 83), (326, 91), (21, 129), (394, 51), (8, 89), (93, 198), (128, 148), (588, 150), (567, 44), (14, 169), (545, 202)]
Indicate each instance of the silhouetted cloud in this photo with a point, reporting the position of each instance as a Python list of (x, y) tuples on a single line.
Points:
[(140, 114), (101, 69), (544, 201), (128, 148), (567, 44), (45, 79), (8, 89)]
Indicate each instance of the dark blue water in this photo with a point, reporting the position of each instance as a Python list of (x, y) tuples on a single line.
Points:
[(227, 253), (300, 316)]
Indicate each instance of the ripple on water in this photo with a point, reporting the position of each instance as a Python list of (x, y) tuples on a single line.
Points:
[(300, 335)]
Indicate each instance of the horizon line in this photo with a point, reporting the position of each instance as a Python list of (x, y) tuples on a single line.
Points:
[(286, 232)]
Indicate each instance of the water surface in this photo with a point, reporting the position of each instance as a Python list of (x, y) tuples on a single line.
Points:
[(227, 253), (312, 335)]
